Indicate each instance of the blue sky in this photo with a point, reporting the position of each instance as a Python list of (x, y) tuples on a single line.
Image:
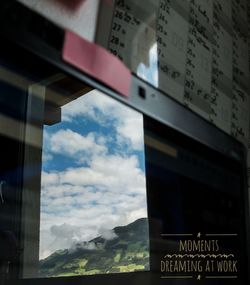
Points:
[(150, 73), (93, 175)]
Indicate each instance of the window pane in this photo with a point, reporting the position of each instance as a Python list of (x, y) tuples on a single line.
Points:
[(93, 195)]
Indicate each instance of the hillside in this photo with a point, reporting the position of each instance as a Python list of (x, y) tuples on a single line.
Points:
[(128, 251)]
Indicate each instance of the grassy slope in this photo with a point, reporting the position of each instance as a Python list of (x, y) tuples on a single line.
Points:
[(127, 253)]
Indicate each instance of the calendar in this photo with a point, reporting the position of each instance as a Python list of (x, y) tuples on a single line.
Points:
[(195, 51)]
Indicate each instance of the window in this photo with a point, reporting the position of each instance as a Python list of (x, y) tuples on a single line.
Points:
[(93, 193)]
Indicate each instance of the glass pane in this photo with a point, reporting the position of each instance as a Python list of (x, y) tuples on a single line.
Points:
[(93, 192)]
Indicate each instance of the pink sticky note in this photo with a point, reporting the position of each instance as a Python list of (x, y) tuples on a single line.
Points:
[(97, 62)]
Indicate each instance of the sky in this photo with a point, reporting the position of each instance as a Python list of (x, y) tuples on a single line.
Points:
[(93, 172), (150, 73)]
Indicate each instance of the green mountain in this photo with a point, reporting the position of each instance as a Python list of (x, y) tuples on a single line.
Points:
[(127, 251)]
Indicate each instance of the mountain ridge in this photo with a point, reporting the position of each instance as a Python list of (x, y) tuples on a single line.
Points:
[(127, 251)]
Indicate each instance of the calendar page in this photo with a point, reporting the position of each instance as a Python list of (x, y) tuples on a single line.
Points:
[(194, 51)]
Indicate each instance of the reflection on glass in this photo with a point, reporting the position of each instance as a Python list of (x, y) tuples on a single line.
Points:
[(93, 196), (133, 37), (150, 73)]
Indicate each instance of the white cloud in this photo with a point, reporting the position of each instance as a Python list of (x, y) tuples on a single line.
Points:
[(87, 106), (83, 245), (47, 157), (112, 172), (50, 178), (104, 109), (73, 144), (107, 234), (57, 237), (131, 128)]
